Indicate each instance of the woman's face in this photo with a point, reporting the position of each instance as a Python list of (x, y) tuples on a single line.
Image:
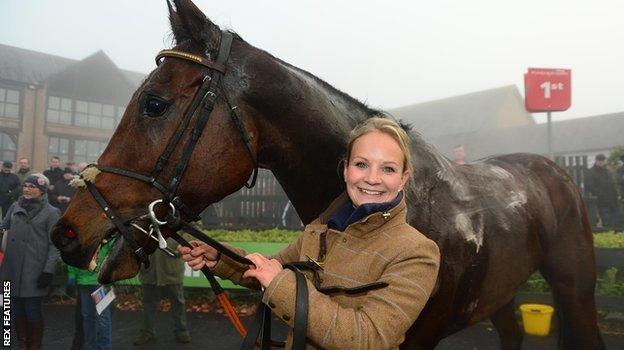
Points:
[(30, 191), (374, 173)]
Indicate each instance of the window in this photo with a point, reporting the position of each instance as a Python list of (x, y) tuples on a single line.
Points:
[(59, 110), (95, 115), (59, 147), (86, 114), (9, 103), (7, 147), (88, 150), (76, 150), (82, 113)]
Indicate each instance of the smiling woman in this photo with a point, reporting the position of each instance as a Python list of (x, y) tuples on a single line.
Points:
[(365, 226)]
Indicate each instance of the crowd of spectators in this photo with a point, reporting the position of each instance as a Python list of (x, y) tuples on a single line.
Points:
[(30, 205)]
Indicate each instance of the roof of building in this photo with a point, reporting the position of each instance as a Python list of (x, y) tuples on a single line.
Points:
[(572, 136), (94, 77), (32, 67), (482, 110)]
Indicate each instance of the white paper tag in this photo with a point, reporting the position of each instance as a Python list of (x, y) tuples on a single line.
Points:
[(102, 297)]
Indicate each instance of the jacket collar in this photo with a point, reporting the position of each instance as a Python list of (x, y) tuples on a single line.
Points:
[(394, 216)]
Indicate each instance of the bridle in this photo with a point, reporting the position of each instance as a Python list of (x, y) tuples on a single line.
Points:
[(202, 104), (204, 101)]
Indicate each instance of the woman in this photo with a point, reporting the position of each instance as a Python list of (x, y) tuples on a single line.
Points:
[(30, 257), (361, 238)]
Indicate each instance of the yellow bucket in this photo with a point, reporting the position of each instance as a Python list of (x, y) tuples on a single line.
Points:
[(536, 318)]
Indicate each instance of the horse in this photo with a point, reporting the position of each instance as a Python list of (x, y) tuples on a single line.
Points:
[(496, 221)]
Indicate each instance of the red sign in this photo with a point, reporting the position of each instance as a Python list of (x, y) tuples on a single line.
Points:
[(547, 89)]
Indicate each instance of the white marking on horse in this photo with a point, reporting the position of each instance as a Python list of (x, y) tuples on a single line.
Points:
[(459, 187), (464, 225), (500, 172), (518, 199)]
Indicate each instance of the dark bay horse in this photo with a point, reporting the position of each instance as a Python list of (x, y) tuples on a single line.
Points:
[(496, 222)]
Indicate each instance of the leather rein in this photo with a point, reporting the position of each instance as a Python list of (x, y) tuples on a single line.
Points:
[(204, 101)]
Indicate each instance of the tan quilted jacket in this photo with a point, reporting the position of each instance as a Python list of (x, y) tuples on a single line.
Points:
[(377, 248)]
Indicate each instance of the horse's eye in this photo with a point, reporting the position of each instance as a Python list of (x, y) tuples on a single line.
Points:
[(154, 106)]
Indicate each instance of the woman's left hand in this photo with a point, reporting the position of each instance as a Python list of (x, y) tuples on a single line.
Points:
[(265, 269)]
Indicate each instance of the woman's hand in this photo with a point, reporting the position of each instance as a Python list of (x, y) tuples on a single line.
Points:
[(201, 255), (265, 269)]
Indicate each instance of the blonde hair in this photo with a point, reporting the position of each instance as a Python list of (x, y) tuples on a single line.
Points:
[(388, 127)]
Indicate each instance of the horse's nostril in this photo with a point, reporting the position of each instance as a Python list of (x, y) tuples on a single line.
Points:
[(69, 233)]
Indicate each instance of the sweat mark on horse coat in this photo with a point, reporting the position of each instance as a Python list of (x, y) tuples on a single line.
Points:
[(495, 199)]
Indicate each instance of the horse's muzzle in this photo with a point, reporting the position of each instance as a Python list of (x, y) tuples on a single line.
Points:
[(65, 238)]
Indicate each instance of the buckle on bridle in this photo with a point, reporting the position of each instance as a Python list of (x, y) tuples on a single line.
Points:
[(155, 225)]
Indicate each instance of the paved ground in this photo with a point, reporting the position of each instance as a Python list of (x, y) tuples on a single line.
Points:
[(213, 331)]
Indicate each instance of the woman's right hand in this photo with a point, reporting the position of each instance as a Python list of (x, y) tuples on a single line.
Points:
[(201, 255)]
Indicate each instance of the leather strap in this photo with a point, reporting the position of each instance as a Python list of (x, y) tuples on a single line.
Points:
[(139, 253), (301, 309), (218, 66)]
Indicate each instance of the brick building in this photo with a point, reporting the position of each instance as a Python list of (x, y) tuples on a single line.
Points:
[(54, 106)]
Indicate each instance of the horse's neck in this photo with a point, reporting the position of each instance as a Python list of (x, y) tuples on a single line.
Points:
[(309, 139), (429, 165)]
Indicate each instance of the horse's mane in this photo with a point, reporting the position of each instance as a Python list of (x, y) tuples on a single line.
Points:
[(369, 111)]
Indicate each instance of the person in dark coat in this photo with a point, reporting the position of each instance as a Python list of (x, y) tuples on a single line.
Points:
[(23, 170), (9, 186), (61, 195), (620, 177), (163, 278), (55, 172), (599, 183), (30, 258)]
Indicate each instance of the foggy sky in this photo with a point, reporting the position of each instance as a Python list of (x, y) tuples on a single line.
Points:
[(387, 54)]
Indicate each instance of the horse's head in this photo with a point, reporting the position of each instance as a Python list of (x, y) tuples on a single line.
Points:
[(147, 143)]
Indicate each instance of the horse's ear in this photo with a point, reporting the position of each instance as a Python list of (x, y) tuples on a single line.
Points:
[(189, 23)]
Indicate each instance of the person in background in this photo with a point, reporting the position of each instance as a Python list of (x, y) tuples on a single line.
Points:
[(601, 187), (55, 172), (62, 193), (9, 186), (80, 167), (163, 278), (30, 258), (459, 155), (619, 178), (24, 170), (95, 329), (71, 165)]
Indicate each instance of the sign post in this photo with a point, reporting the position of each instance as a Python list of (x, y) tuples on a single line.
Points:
[(548, 90)]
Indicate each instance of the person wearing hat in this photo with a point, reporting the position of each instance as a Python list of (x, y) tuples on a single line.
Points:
[(30, 258), (601, 187), (9, 186)]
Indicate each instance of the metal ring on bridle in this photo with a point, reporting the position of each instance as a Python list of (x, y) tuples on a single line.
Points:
[(152, 214)]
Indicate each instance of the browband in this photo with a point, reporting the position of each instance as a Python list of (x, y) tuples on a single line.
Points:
[(187, 56)]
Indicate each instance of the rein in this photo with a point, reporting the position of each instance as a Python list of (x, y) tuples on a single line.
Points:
[(204, 101)]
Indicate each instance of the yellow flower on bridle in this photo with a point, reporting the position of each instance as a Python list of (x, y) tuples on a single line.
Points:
[(88, 174)]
